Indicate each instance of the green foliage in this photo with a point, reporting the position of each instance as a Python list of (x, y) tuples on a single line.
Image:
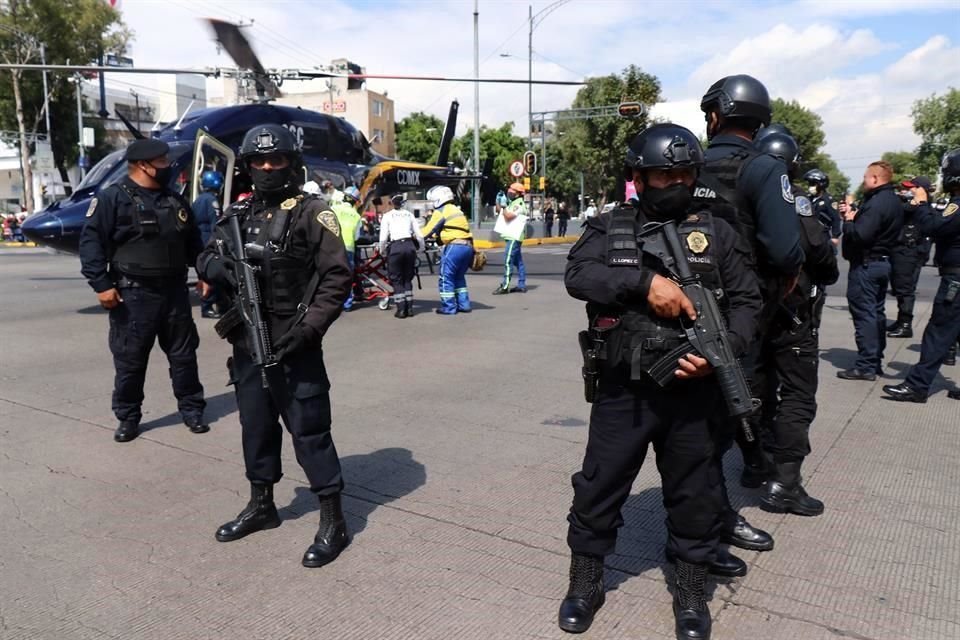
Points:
[(596, 147), (905, 165), (73, 31), (937, 121), (418, 137), (807, 129), (502, 144)]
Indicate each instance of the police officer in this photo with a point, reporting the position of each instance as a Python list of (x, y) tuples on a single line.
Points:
[(943, 329), (134, 251), (304, 279), (630, 412), (869, 236), (752, 190), (452, 229), (400, 238), (789, 360), (206, 209), (908, 257), (827, 212)]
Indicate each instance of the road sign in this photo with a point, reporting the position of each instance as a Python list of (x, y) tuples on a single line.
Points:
[(88, 137), (516, 168)]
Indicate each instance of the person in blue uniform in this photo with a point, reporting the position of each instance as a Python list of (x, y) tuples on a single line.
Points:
[(909, 255), (751, 190), (452, 230), (135, 248), (826, 209), (943, 329), (303, 279), (787, 373), (206, 210), (869, 236), (630, 292)]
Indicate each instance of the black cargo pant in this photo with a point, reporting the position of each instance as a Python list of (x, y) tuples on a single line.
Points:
[(786, 382), (299, 394), (906, 264), (147, 314), (402, 267), (677, 421)]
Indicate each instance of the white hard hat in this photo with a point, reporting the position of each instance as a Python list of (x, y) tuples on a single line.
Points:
[(439, 196), (311, 187)]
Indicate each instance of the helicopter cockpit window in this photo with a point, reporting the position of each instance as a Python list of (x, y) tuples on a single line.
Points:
[(316, 139), (350, 152), (112, 163)]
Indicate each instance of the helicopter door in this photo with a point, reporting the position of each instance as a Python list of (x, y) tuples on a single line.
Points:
[(209, 154)]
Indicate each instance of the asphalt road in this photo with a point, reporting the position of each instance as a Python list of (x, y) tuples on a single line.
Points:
[(458, 438)]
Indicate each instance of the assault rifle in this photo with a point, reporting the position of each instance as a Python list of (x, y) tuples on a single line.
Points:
[(248, 310), (707, 336)]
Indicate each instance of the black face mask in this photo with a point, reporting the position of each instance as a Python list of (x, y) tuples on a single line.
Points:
[(162, 175), (271, 181), (672, 202)]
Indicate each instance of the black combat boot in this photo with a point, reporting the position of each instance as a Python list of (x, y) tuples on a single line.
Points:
[(902, 330), (401, 309), (741, 533), (951, 359), (690, 602), (126, 431), (259, 514), (585, 595), (785, 493), (725, 565), (331, 536), (757, 467), (409, 308)]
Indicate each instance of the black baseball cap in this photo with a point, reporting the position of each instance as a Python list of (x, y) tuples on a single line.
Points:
[(918, 181), (147, 149)]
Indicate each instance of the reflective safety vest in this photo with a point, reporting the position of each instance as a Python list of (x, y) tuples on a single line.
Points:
[(453, 224), (349, 221)]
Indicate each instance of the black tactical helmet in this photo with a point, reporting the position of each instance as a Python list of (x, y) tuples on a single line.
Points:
[(775, 127), (738, 96), (817, 177), (269, 138), (782, 146), (950, 167), (663, 146)]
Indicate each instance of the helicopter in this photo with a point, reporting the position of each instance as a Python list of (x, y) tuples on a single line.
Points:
[(333, 149)]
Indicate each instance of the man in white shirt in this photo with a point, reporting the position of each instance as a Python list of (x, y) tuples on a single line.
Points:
[(400, 238), (512, 225)]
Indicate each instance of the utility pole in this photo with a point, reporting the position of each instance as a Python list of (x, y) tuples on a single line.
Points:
[(82, 158), (530, 79), (46, 92), (475, 201), (136, 98)]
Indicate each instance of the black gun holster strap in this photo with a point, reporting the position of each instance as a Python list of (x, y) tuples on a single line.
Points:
[(308, 294)]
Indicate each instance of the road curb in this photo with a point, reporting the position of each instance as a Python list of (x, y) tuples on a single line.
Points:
[(529, 242), (26, 245)]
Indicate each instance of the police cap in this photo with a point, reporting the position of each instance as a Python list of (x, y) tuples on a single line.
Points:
[(146, 149)]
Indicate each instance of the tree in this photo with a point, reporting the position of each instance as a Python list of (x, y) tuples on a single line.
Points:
[(418, 137), (937, 121), (905, 165), (71, 31), (807, 129), (596, 147), (501, 144)]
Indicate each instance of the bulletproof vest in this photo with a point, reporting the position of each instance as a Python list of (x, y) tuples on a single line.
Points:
[(909, 233), (158, 247), (717, 191), (823, 205), (643, 338), (284, 273)]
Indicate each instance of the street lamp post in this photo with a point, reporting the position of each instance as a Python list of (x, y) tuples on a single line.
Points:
[(136, 98)]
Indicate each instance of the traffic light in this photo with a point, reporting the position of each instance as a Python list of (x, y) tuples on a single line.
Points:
[(529, 163), (543, 183), (630, 109), (526, 184)]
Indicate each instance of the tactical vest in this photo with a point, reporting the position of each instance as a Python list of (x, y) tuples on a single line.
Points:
[(284, 270), (717, 191), (158, 248), (909, 233), (643, 338)]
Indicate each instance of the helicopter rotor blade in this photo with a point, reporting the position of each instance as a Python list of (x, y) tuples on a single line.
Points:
[(238, 47)]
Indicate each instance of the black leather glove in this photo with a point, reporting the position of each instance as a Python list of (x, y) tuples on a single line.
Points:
[(221, 270), (294, 340)]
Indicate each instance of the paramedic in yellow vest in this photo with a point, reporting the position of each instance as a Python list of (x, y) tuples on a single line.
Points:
[(512, 260), (453, 232), (349, 220)]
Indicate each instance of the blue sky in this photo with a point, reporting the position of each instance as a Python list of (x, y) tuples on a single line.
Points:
[(859, 63)]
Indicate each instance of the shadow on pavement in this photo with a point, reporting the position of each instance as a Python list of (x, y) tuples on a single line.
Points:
[(218, 406), (839, 357), (388, 473)]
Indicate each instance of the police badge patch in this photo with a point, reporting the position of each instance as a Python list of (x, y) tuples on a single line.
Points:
[(697, 242), (92, 208), (288, 204), (804, 207), (786, 190), (835, 205), (182, 216), (950, 210), (327, 219)]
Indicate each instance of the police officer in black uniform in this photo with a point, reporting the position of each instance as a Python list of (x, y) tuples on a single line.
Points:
[(943, 329), (908, 257), (630, 293), (826, 209), (752, 191), (304, 279), (869, 236), (135, 249), (789, 358)]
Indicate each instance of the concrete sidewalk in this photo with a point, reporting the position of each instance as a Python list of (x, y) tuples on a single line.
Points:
[(458, 438)]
